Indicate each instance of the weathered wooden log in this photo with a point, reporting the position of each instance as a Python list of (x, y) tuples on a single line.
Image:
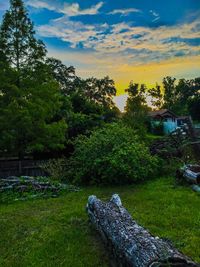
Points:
[(130, 244), (192, 173)]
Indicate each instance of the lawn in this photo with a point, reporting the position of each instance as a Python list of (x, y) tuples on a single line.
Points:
[(55, 232)]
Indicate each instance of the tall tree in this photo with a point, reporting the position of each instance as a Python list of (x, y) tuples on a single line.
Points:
[(18, 45), (64, 75), (170, 96), (194, 100), (101, 91), (156, 96), (194, 107), (29, 117), (30, 99), (178, 97), (136, 106)]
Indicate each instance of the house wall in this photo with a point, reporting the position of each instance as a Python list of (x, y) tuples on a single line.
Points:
[(169, 125)]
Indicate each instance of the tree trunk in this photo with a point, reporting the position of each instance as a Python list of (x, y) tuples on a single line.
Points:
[(130, 244)]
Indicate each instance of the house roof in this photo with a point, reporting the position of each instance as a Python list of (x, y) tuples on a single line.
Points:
[(161, 113), (183, 117)]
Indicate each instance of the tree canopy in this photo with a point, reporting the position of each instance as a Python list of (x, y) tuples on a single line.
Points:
[(18, 44), (29, 96), (136, 106)]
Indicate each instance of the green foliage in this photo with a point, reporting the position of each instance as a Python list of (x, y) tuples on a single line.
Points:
[(56, 168), (183, 97), (136, 107), (18, 45), (170, 96), (111, 155), (157, 128), (156, 96), (79, 123), (27, 117), (30, 101), (64, 75), (86, 115), (101, 91), (194, 107)]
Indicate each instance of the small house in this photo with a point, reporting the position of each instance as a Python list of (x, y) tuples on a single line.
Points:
[(164, 119)]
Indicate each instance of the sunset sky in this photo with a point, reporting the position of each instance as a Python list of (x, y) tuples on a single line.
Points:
[(139, 40)]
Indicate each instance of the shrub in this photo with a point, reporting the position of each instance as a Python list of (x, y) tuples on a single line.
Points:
[(111, 155), (158, 128), (55, 168)]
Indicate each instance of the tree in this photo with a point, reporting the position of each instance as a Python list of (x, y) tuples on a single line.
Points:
[(17, 42), (178, 97), (30, 99), (194, 107), (101, 91), (27, 122), (194, 101), (136, 106), (170, 95), (64, 75), (92, 105), (156, 96)]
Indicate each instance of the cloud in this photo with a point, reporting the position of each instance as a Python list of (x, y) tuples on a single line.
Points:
[(70, 10), (41, 5), (93, 64), (125, 12), (75, 10), (155, 15), (131, 44), (74, 32)]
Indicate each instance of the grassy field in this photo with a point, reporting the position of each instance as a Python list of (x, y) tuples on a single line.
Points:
[(55, 232)]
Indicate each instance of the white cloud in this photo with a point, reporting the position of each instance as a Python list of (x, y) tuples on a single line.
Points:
[(155, 15), (156, 18), (124, 12), (124, 42), (70, 10), (39, 4), (75, 10)]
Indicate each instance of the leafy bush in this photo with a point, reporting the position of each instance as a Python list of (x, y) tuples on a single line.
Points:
[(55, 168), (111, 155), (158, 128)]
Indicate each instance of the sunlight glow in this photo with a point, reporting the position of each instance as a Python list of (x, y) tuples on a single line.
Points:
[(120, 101)]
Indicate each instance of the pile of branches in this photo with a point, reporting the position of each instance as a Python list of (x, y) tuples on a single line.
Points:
[(33, 185), (170, 146)]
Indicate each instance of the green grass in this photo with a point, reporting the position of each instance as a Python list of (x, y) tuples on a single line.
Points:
[(55, 232)]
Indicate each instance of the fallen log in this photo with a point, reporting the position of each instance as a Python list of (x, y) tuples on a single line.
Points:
[(131, 245), (192, 173)]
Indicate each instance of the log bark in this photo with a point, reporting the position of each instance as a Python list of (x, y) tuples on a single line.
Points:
[(192, 173), (130, 244)]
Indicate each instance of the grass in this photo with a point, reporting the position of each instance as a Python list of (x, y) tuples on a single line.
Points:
[(55, 232)]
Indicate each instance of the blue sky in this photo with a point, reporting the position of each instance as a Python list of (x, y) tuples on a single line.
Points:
[(139, 40)]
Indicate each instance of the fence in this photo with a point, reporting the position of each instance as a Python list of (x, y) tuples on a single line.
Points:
[(13, 167)]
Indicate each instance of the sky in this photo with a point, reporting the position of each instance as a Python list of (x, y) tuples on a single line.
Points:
[(139, 40)]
